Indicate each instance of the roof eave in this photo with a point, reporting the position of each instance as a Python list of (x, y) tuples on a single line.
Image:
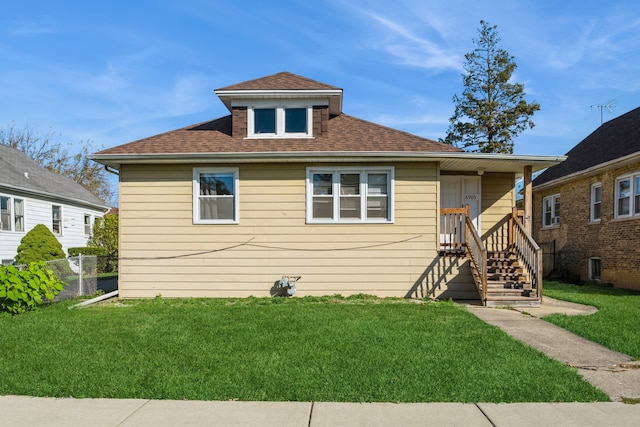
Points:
[(333, 95), (594, 170), (43, 194), (454, 161)]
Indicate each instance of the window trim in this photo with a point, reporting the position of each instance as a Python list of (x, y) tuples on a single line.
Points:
[(336, 171), (60, 220), (90, 225), (633, 192), (555, 216), (11, 204), (195, 206), (280, 124), (593, 202)]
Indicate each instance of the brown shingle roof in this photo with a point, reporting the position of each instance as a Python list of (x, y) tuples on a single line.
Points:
[(616, 138), (280, 81), (345, 134)]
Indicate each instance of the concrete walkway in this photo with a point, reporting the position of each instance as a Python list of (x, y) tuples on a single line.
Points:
[(614, 373), (34, 412)]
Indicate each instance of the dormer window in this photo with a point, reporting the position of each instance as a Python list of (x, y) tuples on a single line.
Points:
[(279, 121)]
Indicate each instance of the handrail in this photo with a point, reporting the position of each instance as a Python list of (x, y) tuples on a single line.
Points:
[(528, 251), (459, 235), (478, 255)]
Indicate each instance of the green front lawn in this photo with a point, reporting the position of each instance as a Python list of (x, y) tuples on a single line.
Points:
[(616, 325), (298, 349)]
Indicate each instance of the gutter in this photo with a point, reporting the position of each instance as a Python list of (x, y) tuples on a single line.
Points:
[(284, 156), (51, 196)]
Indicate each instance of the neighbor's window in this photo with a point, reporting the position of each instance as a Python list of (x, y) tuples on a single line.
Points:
[(279, 121), (56, 219), (595, 268), (627, 196), (5, 213), (215, 195), (596, 202), (18, 215), (551, 210), (11, 214), (87, 225), (349, 195)]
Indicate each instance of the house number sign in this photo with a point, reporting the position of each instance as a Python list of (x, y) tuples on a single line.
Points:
[(471, 197)]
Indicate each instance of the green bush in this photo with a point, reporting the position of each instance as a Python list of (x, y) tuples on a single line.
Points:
[(87, 250), (105, 235), (39, 244), (22, 290)]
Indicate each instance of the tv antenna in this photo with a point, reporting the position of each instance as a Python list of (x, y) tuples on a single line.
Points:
[(609, 106)]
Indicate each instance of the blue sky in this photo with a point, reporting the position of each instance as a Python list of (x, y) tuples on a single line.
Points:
[(113, 72)]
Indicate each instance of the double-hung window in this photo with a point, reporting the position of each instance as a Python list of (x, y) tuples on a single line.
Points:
[(551, 211), (215, 195), (5, 213), (88, 225), (56, 219), (279, 121), (11, 214), (627, 196), (336, 195), (596, 202)]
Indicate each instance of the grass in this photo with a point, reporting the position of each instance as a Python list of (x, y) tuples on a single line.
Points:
[(616, 325), (298, 349)]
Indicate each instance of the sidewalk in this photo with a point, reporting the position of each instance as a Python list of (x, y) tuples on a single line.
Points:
[(34, 412)]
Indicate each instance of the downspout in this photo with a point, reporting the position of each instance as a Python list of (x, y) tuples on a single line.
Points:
[(95, 300)]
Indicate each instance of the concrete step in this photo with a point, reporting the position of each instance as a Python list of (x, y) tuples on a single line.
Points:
[(512, 301)]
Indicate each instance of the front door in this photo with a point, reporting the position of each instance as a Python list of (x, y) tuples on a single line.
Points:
[(456, 191)]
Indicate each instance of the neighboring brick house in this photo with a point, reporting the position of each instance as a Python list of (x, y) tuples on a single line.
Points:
[(588, 207), (288, 184)]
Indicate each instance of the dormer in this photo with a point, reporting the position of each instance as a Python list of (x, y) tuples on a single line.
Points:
[(282, 105)]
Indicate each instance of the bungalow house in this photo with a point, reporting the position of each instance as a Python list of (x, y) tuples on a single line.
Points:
[(287, 189), (587, 209), (31, 194)]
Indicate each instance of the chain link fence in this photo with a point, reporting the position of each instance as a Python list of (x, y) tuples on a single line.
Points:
[(80, 273)]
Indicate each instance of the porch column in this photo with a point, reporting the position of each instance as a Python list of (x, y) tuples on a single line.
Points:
[(528, 199)]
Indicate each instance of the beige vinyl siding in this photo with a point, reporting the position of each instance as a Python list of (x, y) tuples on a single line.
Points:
[(498, 198), (163, 252)]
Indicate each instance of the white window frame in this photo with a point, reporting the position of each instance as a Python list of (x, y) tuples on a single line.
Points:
[(11, 204), (280, 119), (196, 195), (336, 172), (591, 269), (61, 220), (634, 191), (555, 216), (90, 225), (593, 203)]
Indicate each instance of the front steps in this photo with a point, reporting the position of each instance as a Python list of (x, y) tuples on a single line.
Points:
[(507, 285)]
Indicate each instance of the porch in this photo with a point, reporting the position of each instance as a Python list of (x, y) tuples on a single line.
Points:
[(505, 264)]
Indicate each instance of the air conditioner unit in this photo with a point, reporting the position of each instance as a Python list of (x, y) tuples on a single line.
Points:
[(555, 220)]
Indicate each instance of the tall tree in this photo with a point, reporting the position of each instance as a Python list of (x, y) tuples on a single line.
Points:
[(47, 150), (491, 111)]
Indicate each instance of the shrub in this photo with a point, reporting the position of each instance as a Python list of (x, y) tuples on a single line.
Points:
[(39, 244), (23, 290), (105, 235)]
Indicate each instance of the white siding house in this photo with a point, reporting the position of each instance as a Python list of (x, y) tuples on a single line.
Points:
[(32, 195)]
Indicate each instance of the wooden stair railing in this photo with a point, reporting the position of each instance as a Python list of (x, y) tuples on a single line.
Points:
[(459, 236), (529, 253)]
